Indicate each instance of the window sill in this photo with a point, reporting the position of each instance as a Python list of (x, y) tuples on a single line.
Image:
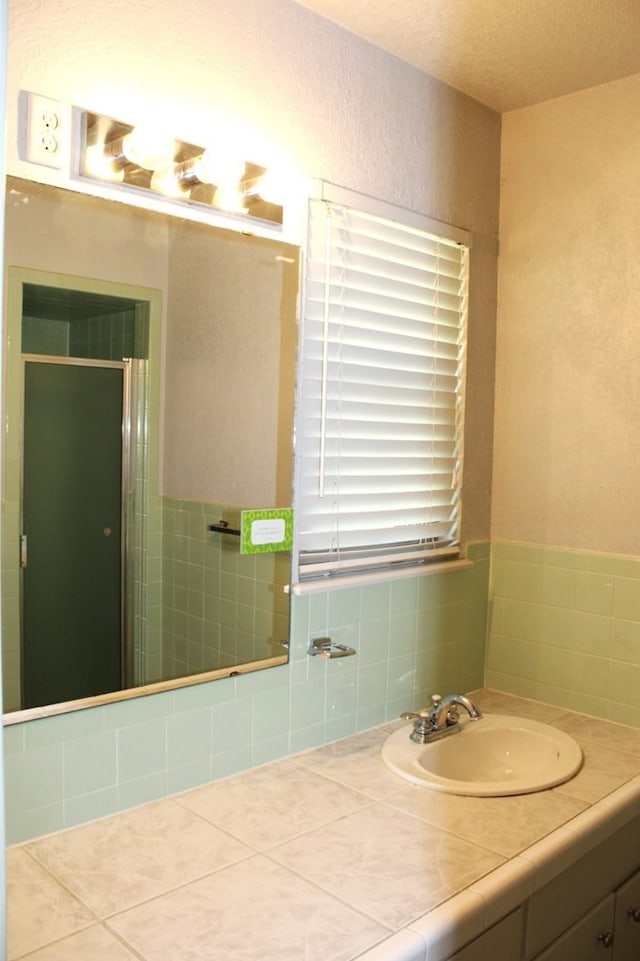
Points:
[(323, 585)]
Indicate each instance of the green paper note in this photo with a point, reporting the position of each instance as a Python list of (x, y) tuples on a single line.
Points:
[(266, 531)]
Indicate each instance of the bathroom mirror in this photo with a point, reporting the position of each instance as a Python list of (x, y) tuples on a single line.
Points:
[(149, 387)]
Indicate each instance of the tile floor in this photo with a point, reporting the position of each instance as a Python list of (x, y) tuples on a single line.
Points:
[(314, 858)]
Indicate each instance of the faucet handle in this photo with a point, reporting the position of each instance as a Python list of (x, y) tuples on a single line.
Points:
[(435, 701), (414, 715)]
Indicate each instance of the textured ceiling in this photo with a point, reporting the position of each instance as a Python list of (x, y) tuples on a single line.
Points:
[(504, 53)]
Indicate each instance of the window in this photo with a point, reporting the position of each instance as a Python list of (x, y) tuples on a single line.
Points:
[(381, 384)]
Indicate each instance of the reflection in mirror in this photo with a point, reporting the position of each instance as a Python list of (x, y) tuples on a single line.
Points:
[(149, 383)]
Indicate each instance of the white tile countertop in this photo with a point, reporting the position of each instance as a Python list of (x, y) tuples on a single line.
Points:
[(324, 856)]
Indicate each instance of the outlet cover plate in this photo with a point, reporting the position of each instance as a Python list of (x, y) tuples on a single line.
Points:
[(42, 130)]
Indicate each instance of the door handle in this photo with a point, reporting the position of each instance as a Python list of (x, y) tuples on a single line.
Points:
[(23, 550)]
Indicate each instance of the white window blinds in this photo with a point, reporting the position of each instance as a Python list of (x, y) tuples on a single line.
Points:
[(380, 411)]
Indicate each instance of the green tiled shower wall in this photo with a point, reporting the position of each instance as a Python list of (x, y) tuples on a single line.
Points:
[(41, 336), (564, 628), (220, 607), (413, 637), (105, 337)]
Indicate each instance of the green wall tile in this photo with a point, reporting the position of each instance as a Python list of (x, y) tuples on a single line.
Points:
[(521, 619), (624, 680), (24, 823), (90, 764), (592, 633), (34, 778), (371, 686), (88, 807), (626, 641), (188, 737), (402, 633), (374, 602), (594, 593), (64, 727), (627, 598), (270, 715), (558, 587), (590, 674), (587, 616), (307, 704), (623, 713), (231, 726), (555, 664), (343, 607), (556, 626), (617, 565), (373, 641), (142, 750), (227, 763), (336, 728), (142, 790), (182, 777), (404, 596), (270, 749)]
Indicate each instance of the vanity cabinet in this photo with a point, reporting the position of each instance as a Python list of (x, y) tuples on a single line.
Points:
[(599, 878), (503, 941), (608, 931), (588, 912), (611, 930)]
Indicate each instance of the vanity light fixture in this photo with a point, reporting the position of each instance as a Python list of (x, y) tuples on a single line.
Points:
[(148, 159)]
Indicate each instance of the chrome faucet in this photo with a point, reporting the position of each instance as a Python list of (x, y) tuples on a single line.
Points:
[(442, 718)]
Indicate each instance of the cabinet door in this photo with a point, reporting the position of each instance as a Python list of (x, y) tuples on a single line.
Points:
[(585, 940), (626, 946), (503, 941)]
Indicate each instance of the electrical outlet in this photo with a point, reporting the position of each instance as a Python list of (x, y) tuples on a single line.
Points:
[(43, 131)]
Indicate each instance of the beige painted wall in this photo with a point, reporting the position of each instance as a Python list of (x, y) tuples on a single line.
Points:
[(337, 107), (567, 426), (230, 363)]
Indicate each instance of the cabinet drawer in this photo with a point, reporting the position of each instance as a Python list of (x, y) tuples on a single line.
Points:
[(582, 940)]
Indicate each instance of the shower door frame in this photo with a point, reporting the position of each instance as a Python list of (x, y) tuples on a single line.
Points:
[(127, 477)]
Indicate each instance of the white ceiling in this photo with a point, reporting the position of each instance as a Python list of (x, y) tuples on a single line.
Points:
[(504, 53)]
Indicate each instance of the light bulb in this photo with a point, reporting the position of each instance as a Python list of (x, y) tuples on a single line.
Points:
[(217, 168), (165, 181), (100, 165), (149, 147), (272, 187), (229, 198)]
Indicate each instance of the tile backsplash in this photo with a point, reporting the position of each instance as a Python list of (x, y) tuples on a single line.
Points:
[(413, 637), (564, 628)]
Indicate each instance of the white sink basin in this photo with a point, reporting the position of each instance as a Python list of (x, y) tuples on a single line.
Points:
[(494, 756)]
